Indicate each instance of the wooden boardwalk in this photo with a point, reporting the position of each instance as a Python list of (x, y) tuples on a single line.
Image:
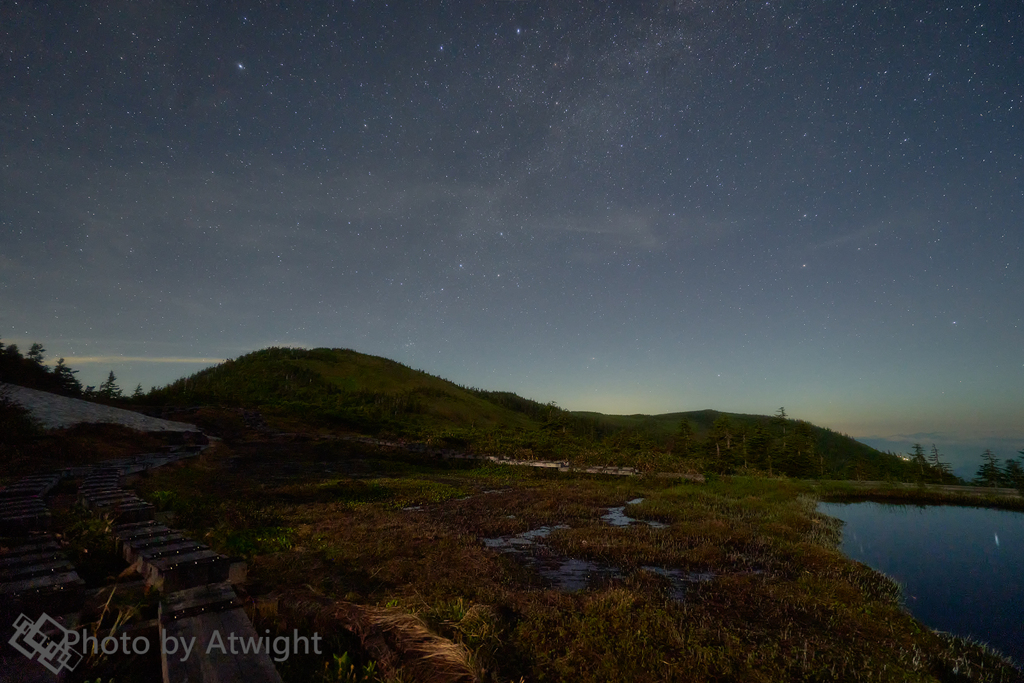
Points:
[(211, 619), (196, 582), (36, 577), (22, 508)]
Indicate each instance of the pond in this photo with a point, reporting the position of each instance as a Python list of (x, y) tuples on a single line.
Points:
[(962, 569)]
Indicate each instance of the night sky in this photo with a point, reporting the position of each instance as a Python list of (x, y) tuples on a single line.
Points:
[(625, 207)]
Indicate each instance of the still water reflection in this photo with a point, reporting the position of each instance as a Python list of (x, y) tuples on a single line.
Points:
[(962, 569)]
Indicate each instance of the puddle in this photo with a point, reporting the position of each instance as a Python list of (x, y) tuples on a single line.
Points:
[(567, 574), (413, 508), (519, 541), (571, 575), (617, 516), (680, 580)]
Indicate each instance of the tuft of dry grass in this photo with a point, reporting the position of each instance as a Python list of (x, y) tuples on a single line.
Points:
[(401, 644)]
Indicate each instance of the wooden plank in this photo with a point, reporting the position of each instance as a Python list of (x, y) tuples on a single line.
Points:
[(22, 506), (196, 597), (133, 548), (51, 581), (131, 526), (50, 567), (145, 530), (111, 498), (171, 574), (182, 547), (9, 562), (219, 666), (134, 512), (44, 544), (23, 524)]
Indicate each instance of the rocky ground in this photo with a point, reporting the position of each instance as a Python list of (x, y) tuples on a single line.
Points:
[(54, 411)]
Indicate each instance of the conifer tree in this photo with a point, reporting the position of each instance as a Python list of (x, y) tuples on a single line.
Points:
[(1020, 481), (138, 393), (780, 418), (757, 447), (109, 389), (35, 353), (942, 469), (919, 459), (805, 463), (685, 438), (989, 474), (1013, 473), (722, 431), (66, 378)]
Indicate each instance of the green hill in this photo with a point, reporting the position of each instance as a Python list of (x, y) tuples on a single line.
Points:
[(344, 389), (337, 387)]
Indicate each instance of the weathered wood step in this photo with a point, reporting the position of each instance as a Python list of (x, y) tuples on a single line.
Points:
[(132, 526), (165, 550), (23, 586), (18, 505), (199, 613), (23, 524), (19, 490), (99, 482), (124, 533), (111, 498), (187, 570), (37, 485), (98, 490), (37, 545), (54, 593), (9, 561), (134, 512), (131, 548), (58, 565), (111, 504), (106, 479), (36, 478)]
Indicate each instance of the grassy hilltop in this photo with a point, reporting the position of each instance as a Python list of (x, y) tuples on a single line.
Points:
[(342, 389)]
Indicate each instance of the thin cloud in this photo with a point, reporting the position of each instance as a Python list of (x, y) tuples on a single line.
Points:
[(82, 360)]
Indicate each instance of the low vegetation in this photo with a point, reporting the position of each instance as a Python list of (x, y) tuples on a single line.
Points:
[(350, 537), (339, 389)]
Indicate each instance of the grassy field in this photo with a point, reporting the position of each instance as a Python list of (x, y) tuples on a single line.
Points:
[(743, 582)]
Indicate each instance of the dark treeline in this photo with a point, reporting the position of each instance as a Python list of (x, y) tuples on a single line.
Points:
[(778, 444), (30, 370), (993, 472)]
